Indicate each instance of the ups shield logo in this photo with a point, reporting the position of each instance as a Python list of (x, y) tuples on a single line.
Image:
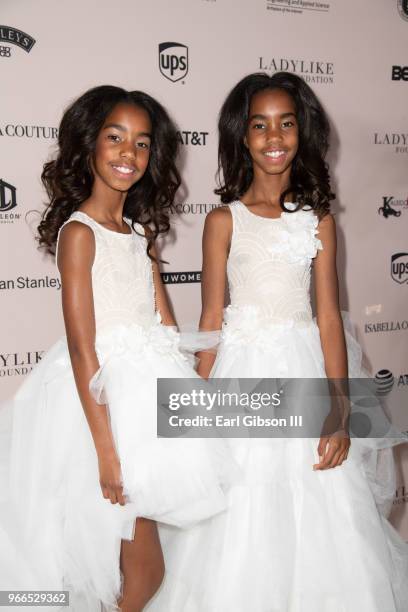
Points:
[(399, 267), (173, 60)]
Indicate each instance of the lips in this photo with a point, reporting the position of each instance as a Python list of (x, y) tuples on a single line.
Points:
[(123, 170), (275, 155)]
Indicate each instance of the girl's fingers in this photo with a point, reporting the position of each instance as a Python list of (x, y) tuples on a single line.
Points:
[(112, 496), (321, 449), (345, 455), (335, 455), (336, 460), (327, 457), (115, 494), (326, 460), (119, 494), (121, 497)]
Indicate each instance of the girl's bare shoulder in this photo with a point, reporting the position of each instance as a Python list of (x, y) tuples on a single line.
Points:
[(219, 218), (76, 242)]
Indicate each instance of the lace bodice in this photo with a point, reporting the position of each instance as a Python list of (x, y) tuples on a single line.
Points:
[(122, 279), (269, 264)]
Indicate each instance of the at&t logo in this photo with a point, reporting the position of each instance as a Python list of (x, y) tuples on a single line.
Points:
[(173, 60), (187, 137), (384, 381)]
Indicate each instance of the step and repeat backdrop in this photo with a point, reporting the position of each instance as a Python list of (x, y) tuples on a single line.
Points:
[(188, 54)]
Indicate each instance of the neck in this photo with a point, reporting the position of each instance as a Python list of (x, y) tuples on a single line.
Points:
[(105, 204), (268, 188)]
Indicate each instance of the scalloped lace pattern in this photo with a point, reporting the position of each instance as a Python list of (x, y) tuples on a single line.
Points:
[(122, 278), (269, 265)]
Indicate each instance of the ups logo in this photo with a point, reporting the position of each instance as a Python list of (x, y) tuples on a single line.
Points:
[(173, 60)]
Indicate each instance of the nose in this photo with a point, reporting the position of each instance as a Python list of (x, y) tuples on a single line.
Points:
[(128, 150), (273, 133)]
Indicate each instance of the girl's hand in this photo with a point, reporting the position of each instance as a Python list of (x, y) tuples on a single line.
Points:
[(110, 477), (333, 450)]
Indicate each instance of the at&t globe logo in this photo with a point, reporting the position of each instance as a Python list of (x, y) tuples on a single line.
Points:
[(173, 60), (384, 381)]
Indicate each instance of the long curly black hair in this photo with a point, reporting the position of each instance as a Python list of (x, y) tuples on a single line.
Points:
[(68, 178), (309, 178)]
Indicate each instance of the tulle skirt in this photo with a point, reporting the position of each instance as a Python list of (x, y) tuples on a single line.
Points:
[(292, 539), (56, 529)]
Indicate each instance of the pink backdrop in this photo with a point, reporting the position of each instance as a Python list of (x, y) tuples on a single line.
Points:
[(51, 52)]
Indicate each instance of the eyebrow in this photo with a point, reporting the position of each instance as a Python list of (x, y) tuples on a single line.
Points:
[(283, 116), (117, 126)]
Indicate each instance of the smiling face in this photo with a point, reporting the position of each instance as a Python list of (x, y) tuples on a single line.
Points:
[(272, 132), (122, 148)]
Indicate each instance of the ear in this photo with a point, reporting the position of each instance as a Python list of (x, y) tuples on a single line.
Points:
[(245, 141)]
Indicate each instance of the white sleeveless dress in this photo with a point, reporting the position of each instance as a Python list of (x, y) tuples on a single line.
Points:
[(292, 539), (56, 529)]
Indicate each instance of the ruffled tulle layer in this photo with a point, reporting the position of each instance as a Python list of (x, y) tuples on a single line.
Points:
[(292, 539), (56, 529)]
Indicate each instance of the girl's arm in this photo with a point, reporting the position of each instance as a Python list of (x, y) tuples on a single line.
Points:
[(216, 243), (332, 450), (328, 313), (76, 253)]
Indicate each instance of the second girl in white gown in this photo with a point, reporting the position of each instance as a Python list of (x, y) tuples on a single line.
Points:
[(306, 529)]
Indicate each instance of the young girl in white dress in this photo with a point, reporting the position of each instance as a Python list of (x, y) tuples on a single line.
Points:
[(302, 532), (85, 477)]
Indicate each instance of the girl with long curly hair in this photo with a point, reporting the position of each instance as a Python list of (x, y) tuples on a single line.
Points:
[(87, 476), (302, 532)]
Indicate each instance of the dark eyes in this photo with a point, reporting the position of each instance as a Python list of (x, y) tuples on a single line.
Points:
[(262, 126), (116, 138)]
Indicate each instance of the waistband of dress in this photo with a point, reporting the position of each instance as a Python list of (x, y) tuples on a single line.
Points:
[(252, 316)]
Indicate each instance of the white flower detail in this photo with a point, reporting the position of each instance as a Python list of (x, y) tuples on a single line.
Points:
[(296, 238), (133, 343)]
